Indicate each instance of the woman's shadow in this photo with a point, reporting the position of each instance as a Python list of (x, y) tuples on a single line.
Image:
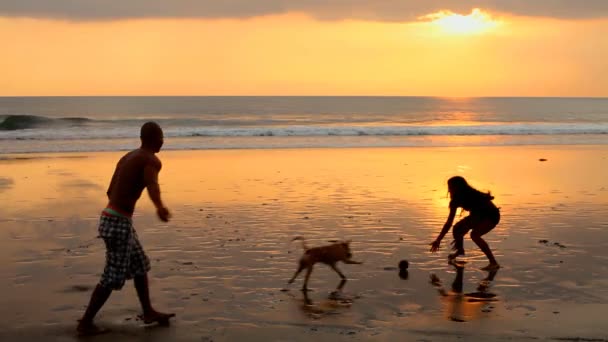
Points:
[(462, 307)]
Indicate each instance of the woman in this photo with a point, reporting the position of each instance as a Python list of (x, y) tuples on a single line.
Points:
[(483, 217)]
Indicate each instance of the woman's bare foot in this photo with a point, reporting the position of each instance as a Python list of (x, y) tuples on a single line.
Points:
[(491, 267), (89, 329), (154, 316), (455, 255), (457, 263)]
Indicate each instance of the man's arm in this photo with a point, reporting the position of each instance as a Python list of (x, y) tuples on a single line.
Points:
[(151, 171), (112, 182)]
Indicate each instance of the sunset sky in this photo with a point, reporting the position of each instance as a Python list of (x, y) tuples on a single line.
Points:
[(304, 47)]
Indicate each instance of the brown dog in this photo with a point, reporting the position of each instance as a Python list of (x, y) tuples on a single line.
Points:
[(329, 255)]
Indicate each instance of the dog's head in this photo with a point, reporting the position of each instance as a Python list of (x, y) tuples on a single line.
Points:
[(346, 246)]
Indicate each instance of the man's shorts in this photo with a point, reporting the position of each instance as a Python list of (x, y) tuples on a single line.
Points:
[(125, 258)]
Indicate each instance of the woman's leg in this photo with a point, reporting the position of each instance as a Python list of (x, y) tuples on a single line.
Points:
[(460, 229), (478, 231)]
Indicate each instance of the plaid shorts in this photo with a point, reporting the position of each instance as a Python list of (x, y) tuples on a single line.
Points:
[(125, 258)]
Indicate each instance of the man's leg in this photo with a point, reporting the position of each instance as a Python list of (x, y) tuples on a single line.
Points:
[(140, 265), (143, 292), (114, 273), (98, 298)]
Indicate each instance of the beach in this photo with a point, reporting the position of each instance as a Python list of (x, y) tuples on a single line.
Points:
[(222, 262), (352, 143)]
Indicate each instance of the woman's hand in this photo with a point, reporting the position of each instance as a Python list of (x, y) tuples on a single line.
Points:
[(435, 245)]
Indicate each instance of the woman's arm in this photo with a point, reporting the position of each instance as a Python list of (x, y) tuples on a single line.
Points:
[(446, 227)]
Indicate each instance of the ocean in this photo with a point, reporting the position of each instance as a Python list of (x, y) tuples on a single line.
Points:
[(86, 124)]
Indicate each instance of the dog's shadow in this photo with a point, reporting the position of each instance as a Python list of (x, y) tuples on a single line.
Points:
[(334, 304)]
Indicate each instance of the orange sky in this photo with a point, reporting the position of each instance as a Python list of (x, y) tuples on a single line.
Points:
[(293, 54)]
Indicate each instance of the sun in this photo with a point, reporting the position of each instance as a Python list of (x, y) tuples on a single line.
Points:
[(453, 23)]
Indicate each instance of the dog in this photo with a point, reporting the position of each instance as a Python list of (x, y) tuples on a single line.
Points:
[(329, 255)]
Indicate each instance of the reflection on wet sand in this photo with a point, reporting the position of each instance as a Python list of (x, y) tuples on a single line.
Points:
[(463, 307), (336, 301)]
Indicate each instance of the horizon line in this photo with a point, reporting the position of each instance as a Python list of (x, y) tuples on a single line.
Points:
[(303, 96)]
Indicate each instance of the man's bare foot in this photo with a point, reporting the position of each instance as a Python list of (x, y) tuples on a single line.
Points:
[(89, 329), (156, 317), (491, 267)]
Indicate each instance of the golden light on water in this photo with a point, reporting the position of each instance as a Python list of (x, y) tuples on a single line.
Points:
[(476, 22)]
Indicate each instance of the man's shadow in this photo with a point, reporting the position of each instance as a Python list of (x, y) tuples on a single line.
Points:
[(462, 307)]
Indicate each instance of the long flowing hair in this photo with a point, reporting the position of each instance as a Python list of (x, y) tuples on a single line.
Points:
[(461, 191)]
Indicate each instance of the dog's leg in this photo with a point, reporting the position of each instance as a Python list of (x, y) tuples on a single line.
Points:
[(295, 275), (335, 268), (308, 272), (342, 282), (307, 300)]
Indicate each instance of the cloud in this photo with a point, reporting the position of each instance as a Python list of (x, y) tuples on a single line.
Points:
[(376, 10)]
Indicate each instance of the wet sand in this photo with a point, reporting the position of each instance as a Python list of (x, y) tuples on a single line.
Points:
[(223, 261)]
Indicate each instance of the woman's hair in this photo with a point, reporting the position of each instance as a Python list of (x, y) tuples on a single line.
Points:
[(461, 190)]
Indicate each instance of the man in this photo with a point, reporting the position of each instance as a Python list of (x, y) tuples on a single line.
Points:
[(125, 257)]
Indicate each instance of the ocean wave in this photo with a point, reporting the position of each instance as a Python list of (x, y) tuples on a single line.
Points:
[(400, 130), (22, 122), (71, 129)]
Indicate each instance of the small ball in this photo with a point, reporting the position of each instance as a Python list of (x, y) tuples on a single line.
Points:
[(403, 264)]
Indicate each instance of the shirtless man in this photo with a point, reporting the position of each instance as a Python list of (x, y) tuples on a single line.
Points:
[(125, 257)]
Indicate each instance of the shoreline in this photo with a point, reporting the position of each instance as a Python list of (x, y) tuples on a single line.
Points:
[(17, 155)]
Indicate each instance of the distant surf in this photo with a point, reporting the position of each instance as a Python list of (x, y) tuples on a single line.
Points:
[(112, 123), (19, 122)]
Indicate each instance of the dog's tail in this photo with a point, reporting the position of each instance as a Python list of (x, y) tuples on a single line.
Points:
[(301, 238)]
